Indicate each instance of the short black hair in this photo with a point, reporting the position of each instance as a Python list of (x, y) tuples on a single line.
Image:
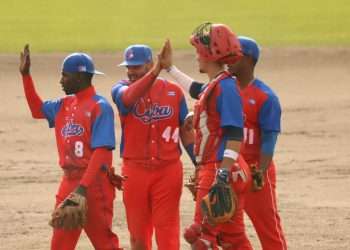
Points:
[(87, 77)]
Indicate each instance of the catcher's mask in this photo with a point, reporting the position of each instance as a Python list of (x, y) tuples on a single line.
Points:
[(216, 43)]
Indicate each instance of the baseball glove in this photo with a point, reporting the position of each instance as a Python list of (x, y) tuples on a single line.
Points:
[(71, 213), (258, 178), (220, 204)]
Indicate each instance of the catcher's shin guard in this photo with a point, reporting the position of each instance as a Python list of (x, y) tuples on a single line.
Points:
[(193, 236), (192, 233), (202, 244)]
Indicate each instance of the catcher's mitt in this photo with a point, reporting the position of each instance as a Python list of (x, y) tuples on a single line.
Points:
[(220, 204), (258, 178), (71, 213)]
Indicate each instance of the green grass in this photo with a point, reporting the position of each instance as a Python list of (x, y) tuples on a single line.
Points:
[(108, 25)]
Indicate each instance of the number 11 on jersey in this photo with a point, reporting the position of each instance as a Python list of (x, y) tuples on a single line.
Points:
[(248, 134)]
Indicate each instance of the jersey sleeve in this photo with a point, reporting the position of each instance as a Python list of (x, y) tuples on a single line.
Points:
[(102, 132), (229, 104), (50, 109), (117, 92), (268, 142), (183, 110), (270, 115)]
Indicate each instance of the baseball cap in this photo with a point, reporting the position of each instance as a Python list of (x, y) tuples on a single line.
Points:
[(79, 62), (249, 47), (137, 54)]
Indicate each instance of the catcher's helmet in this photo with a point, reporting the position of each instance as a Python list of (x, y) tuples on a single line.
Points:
[(216, 42)]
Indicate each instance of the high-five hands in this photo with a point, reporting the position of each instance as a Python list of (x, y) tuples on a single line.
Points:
[(24, 65)]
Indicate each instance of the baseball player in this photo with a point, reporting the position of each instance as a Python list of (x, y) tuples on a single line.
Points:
[(152, 111), (218, 123), (84, 128), (261, 127)]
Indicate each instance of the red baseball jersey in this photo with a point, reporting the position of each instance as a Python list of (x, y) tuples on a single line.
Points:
[(152, 123), (82, 122), (219, 105), (262, 111)]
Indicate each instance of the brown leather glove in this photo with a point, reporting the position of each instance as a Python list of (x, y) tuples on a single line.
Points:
[(220, 204), (71, 213)]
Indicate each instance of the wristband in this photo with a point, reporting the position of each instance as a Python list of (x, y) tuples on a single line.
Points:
[(229, 153)]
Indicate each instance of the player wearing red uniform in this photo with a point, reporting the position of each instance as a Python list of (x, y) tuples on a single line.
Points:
[(218, 123), (84, 127), (152, 111), (261, 127)]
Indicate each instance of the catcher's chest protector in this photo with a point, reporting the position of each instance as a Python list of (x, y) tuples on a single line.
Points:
[(208, 132)]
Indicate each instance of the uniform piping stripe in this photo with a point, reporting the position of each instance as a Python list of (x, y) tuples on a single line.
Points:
[(275, 211), (99, 180), (205, 133)]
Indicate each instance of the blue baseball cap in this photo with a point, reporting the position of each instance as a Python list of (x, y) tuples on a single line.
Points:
[(249, 47), (137, 54), (79, 62)]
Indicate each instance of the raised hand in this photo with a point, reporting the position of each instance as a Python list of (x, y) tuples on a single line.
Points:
[(24, 65), (166, 56)]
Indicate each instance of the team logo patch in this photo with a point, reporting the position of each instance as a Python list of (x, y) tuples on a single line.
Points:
[(153, 113), (252, 101), (129, 54), (72, 129), (82, 68)]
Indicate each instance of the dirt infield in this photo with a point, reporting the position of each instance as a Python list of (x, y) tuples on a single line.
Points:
[(312, 153)]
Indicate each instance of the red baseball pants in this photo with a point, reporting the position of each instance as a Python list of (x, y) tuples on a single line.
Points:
[(261, 207), (231, 235), (100, 197), (152, 200)]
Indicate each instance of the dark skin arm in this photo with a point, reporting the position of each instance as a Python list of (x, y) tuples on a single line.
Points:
[(258, 173), (264, 162)]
